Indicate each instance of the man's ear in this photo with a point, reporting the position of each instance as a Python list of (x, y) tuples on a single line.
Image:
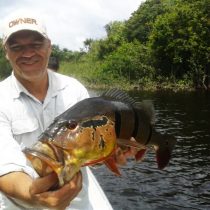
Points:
[(50, 46), (6, 54)]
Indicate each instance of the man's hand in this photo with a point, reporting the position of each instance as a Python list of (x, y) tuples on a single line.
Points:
[(37, 192), (56, 199)]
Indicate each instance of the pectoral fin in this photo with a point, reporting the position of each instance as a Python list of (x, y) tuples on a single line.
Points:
[(111, 164), (141, 150), (140, 154)]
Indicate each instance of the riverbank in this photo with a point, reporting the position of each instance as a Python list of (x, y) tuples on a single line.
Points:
[(150, 86), (93, 78)]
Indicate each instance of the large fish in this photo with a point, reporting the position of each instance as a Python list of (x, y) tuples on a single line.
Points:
[(89, 132)]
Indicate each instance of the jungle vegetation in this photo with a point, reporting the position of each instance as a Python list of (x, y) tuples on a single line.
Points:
[(164, 44)]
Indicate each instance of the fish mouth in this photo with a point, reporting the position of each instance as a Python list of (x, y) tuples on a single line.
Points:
[(45, 158), (39, 161)]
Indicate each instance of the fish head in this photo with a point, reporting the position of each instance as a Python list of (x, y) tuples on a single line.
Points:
[(85, 140), (70, 144)]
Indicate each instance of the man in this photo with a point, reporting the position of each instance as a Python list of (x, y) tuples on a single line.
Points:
[(30, 99)]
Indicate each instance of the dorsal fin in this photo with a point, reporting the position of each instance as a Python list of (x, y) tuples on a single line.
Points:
[(118, 95), (146, 107)]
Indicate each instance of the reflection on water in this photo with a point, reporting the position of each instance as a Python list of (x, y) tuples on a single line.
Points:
[(185, 182)]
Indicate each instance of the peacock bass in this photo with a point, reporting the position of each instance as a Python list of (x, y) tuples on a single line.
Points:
[(89, 132)]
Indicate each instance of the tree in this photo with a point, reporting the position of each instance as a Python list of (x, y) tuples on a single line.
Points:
[(87, 44), (129, 61), (140, 24), (115, 37), (4, 64), (179, 40)]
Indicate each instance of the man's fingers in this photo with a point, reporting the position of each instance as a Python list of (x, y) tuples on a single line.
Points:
[(70, 189), (62, 197), (43, 184)]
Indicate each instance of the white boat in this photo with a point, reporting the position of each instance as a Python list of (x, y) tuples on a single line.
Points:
[(99, 200)]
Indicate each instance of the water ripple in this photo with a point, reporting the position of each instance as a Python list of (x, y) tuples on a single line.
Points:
[(185, 182)]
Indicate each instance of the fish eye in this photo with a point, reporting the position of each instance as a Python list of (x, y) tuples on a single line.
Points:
[(72, 125)]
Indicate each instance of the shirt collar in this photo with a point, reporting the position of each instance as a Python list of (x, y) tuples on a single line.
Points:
[(54, 85), (17, 87)]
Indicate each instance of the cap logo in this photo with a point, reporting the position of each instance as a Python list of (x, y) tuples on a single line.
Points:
[(22, 21)]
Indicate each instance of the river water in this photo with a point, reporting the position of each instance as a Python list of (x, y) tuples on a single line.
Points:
[(185, 182)]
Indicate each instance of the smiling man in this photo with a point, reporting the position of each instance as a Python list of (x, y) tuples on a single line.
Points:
[(31, 98), (28, 53)]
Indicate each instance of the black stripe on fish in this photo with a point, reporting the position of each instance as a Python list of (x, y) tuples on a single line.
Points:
[(95, 123), (93, 136), (117, 123), (102, 143), (136, 124), (150, 135)]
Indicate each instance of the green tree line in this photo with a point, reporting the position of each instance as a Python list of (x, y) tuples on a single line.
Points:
[(163, 42)]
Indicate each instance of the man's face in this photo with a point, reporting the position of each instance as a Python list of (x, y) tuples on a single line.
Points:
[(28, 53)]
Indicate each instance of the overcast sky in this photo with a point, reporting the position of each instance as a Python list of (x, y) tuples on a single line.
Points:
[(71, 22)]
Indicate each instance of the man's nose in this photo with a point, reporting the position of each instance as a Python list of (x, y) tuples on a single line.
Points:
[(28, 50)]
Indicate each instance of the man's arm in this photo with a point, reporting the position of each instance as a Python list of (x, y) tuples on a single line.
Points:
[(16, 185), (21, 186)]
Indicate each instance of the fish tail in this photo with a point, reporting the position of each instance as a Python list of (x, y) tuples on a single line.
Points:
[(164, 151), (162, 158)]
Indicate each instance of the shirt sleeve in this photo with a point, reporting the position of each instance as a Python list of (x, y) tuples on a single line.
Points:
[(11, 156)]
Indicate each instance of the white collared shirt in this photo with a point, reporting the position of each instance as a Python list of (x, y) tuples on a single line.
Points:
[(23, 118)]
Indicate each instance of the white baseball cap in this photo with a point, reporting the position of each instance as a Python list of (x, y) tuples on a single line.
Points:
[(23, 20)]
